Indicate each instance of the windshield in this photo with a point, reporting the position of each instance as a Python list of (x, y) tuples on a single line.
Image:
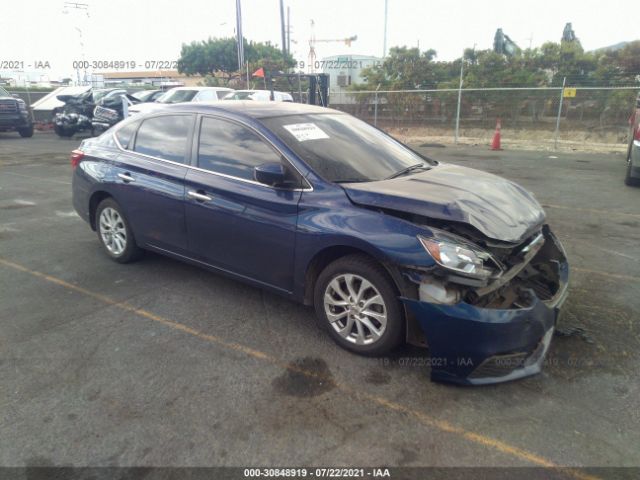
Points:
[(341, 148), (98, 94), (4, 93), (177, 96)]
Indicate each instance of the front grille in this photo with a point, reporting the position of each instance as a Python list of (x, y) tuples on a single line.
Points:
[(541, 288), (8, 106)]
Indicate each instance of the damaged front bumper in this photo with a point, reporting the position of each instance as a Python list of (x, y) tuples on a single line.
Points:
[(483, 342)]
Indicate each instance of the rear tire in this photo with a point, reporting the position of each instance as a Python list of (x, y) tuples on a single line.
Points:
[(64, 132), (115, 233), (357, 303)]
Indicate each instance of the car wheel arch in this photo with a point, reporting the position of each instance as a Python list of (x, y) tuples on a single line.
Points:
[(332, 253), (94, 201)]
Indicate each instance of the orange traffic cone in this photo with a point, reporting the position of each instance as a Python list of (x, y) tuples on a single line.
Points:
[(495, 143)]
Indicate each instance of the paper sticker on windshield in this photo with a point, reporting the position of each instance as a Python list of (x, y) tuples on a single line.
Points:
[(306, 131)]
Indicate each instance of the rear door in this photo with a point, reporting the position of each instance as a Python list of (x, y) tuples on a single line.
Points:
[(233, 222), (151, 180)]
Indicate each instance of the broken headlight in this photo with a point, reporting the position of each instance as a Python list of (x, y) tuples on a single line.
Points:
[(459, 255)]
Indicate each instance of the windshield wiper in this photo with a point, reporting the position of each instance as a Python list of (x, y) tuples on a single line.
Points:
[(417, 166), (351, 180)]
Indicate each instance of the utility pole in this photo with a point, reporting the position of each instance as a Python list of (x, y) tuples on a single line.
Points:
[(384, 43), (284, 38), (239, 36)]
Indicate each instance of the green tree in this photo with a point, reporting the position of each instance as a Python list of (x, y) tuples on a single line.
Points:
[(404, 68), (268, 57), (217, 58), (214, 57)]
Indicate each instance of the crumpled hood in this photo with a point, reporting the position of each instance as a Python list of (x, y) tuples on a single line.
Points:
[(497, 207)]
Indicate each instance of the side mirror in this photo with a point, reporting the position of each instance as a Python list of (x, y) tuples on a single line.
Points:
[(272, 174), (15, 95)]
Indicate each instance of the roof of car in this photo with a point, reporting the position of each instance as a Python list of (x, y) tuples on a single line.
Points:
[(201, 88), (254, 91), (251, 108)]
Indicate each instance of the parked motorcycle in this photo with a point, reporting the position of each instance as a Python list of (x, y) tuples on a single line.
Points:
[(79, 111)]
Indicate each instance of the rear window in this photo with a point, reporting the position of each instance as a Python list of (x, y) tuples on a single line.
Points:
[(164, 137)]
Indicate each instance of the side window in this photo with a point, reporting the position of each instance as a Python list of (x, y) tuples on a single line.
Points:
[(125, 134), (222, 93), (205, 96), (232, 149), (164, 137)]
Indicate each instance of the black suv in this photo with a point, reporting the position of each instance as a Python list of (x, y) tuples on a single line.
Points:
[(14, 115)]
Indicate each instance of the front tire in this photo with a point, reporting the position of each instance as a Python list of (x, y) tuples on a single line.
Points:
[(115, 233), (356, 302), (628, 179), (26, 132)]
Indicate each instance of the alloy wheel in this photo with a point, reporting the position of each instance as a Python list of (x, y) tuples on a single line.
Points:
[(355, 309), (113, 231)]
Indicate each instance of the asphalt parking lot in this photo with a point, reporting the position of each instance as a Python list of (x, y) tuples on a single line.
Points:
[(161, 363)]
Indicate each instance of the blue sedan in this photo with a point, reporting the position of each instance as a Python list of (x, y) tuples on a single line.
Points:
[(387, 245)]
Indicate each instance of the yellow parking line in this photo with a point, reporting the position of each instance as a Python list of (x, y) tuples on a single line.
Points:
[(423, 418)]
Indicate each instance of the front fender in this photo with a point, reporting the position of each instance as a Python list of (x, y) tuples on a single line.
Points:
[(327, 219)]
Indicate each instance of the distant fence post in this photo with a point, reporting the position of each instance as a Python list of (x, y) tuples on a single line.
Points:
[(375, 108), (459, 98), (555, 142)]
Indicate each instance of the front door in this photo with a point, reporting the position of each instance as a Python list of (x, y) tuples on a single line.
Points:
[(233, 222)]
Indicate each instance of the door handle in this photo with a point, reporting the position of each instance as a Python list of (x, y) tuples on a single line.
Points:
[(126, 177), (200, 197)]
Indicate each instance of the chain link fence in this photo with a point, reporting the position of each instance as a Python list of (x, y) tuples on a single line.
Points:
[(583, 118)]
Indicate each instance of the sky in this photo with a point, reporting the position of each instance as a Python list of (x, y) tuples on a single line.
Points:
[(145, 30)]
